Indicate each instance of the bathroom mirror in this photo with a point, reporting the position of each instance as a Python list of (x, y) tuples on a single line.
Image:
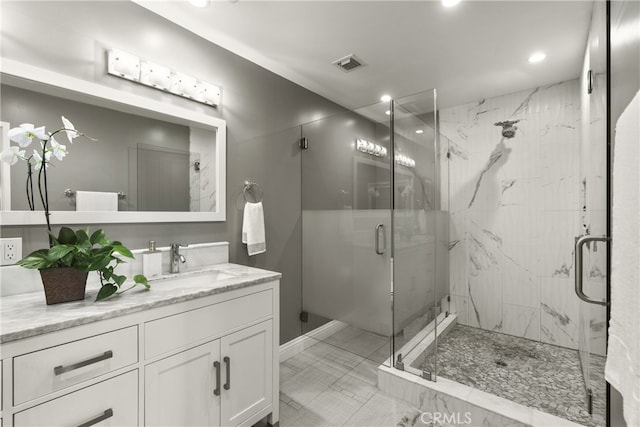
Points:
[(161, 162)]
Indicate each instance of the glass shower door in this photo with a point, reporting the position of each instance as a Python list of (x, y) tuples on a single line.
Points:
[(420, 236), (593, 172), (346, 231)]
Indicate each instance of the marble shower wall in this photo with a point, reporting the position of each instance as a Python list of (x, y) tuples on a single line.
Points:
[(514, 206)]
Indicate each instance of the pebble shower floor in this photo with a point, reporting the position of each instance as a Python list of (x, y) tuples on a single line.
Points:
[(535, 374)]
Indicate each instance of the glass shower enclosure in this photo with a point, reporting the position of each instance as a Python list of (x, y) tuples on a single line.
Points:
[(373, 264)]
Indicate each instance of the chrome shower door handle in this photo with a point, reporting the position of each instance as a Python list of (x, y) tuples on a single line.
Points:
[(580, 242), (380, 251)]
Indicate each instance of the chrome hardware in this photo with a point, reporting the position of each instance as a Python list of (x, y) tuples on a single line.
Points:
[(384, 239), (252, 192), (428, 376), (580, 242), (105, 415), (175, 258), (71, 193), (59, 370), (216, 391), (227, 361), (399, 365)]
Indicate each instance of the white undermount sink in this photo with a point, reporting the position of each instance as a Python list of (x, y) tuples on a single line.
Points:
[(207, 273)]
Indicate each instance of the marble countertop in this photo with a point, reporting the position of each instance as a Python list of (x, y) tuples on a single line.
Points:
[(27, 315)]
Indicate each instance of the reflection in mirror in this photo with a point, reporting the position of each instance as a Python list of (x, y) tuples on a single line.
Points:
[(156, 165)]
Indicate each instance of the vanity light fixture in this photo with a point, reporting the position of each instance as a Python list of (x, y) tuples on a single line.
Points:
[(369, 147), (130, 67), (155, 75), (209, 94), (123, 65), (183, 85), (406, 161)]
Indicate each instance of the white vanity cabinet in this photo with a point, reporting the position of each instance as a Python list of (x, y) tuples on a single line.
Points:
[(222, 382), (204, 361)]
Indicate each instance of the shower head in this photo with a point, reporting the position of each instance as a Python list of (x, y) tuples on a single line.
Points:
[(508, 128)]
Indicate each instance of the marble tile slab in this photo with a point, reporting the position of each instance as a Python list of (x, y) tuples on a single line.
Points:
[(27, 315)]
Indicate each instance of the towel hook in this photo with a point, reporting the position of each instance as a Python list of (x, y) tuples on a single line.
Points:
[(249, 190)]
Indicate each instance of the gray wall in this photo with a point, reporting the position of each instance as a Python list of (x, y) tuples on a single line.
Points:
[(261, 110), (625, 83)]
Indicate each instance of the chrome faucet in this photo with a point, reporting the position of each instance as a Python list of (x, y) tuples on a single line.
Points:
[(176, 257)]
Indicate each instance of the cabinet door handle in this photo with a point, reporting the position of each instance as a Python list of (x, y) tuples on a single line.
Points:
[(58, 370), (227, 362), (216, 391), (105, 415)]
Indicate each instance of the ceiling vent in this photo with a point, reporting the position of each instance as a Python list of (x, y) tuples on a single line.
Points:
[(349, 63)]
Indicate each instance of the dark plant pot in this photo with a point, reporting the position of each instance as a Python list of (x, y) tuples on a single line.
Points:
[(63, 284)]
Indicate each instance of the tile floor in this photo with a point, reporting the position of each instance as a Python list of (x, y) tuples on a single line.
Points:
[(535, 374), (328, 385)]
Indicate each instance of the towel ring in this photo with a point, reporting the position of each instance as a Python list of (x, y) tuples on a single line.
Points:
[(252, 192)]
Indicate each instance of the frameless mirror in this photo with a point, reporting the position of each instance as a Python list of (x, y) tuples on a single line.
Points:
[(151, 162)]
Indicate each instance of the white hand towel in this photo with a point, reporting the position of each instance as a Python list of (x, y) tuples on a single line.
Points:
[(622, 369), (253, 228), (96, 201)]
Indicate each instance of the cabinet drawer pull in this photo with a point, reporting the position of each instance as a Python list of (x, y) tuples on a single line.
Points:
[(216, 391), (58, 370), (227, 362), (105, 415)]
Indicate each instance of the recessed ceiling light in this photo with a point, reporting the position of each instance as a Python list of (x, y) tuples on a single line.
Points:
[(419, 131), (537, 57), (385, 98), (199, 3), (450, 3), (388, 112)]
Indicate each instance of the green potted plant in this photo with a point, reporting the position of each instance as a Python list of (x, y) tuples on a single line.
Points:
[(71, 255)]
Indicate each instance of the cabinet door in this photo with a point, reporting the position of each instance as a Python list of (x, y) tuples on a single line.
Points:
[(247, 366), (179, 390)]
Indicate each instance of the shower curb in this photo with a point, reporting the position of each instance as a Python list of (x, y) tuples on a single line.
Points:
[(460, 403)]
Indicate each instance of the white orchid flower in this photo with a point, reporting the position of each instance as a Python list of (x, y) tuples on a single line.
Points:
[(69, 129), (36, 159), (58, 150), (12, 154), (24, 134)]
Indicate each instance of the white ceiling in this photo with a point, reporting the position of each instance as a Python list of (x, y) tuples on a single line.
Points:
[(472, 51)]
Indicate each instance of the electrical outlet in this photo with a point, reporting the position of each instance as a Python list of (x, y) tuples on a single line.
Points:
[(11, 250)]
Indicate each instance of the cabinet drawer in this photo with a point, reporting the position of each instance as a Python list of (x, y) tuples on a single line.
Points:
[(182, 329), (113, 402), (39, 373)]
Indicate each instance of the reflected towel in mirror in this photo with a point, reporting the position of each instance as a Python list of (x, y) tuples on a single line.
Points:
[(96, 201)]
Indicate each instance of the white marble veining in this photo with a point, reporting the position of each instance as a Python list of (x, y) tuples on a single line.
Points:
[(515, 208), (28, 315)]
